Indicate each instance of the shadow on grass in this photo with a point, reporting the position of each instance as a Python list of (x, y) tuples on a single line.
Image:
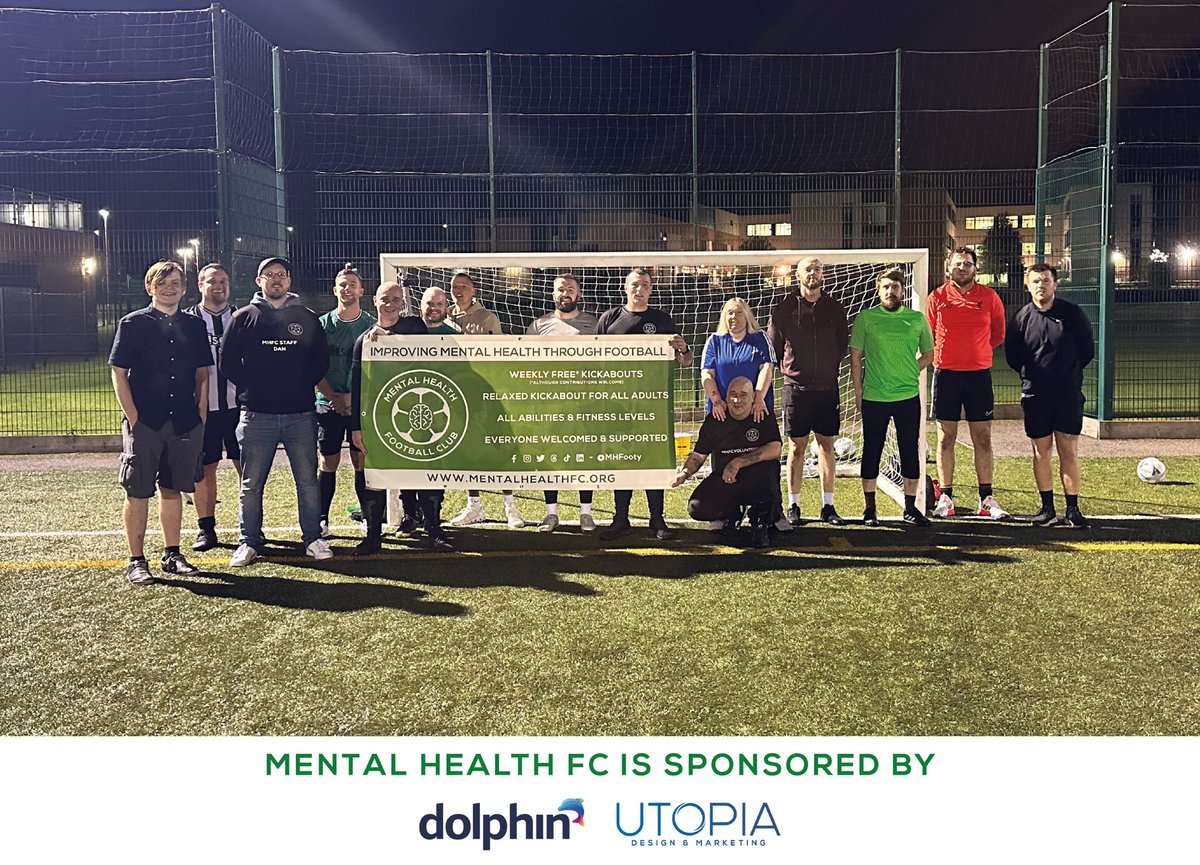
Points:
[(298, 594)]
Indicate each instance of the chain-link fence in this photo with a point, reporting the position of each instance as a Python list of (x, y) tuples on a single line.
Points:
[(130, 137)]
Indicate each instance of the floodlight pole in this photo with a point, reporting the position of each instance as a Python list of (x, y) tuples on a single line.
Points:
[(896, 176), (491, 161), (1042, 175), (1108, 271)]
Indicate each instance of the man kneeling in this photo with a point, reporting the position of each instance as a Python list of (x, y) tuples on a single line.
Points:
[(745, 464)]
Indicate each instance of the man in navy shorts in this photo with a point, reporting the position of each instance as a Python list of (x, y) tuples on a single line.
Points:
[(1049, 342)]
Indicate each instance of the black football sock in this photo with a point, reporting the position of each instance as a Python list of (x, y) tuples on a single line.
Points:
[(327, 483), (1047, 499)]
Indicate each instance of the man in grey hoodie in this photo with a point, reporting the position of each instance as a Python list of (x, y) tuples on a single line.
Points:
[(275, 351)]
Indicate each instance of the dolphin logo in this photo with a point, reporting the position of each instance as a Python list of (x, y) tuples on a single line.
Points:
[(575, 805)]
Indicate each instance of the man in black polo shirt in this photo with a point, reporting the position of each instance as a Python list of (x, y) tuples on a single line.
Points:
[(160, 365), (636, 318), (745, 464), (1049, 342)]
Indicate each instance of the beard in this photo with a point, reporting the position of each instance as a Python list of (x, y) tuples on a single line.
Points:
[(567, 304)]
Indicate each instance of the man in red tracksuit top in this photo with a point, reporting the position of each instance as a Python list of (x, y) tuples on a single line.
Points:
[(967, 320)]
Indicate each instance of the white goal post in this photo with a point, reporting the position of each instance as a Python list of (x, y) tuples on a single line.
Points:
[(691, 286)]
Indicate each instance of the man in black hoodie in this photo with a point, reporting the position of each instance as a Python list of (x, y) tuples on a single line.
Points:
[(1049, 342), (275, 351)]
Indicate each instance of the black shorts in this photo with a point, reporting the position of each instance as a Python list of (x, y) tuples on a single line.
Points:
[(159, 458), (808, 411), (1052, 412), (956, 392), (220, 436), (332, 430)]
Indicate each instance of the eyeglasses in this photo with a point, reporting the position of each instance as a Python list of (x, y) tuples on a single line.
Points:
[(274, 274)]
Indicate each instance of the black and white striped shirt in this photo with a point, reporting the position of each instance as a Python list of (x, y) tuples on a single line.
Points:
[(222, 393)]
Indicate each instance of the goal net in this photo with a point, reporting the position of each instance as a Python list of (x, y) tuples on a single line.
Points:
[(692, 287)]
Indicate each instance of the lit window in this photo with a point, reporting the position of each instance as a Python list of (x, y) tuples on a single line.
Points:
[(983, 223), (1028, 248), (1046, 248), (970, 223), (759, 229), (1029, 221), (783, 229)]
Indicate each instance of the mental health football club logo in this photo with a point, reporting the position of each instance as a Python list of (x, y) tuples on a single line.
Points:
[(421, 415), (513, 824)]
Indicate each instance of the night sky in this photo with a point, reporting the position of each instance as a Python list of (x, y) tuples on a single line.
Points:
[(642, 26)]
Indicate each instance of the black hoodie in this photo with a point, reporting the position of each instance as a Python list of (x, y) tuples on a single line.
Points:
[(275, 356)]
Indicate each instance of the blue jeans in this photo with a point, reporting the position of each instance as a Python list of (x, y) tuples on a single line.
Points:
[(259, 435)]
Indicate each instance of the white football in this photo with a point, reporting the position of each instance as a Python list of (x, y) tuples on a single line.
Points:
[(1151, 470), (813, 450), (844, 448)]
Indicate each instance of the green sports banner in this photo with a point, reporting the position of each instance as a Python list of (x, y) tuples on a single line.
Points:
[(518, 412)]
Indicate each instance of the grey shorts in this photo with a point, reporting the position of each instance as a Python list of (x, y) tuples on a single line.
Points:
[(160, 458)]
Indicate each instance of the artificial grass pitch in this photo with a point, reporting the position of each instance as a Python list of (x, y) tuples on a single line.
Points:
[(973, 628)]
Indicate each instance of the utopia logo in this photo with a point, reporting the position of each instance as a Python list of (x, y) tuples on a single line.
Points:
[(510, 826), (694, 824), (421, 415)]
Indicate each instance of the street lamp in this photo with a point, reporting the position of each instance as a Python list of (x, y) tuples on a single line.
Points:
[(183, 252), (104, 214), (446, 241)]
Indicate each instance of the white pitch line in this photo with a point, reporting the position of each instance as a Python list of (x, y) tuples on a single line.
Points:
[(969, 520)]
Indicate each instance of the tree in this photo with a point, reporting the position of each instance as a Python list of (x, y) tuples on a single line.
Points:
[(1000, 252)]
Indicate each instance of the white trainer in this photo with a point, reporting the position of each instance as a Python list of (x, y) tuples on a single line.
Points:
[(944, 507), (586, 523), (318, 549), (549, 523), (325, 532), (242, 556), (989, 507), (513, 515), (469, 515), (716, 525), (783, 525)]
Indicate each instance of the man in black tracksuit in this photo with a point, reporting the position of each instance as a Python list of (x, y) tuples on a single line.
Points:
[(809, 333), (1049, 342), (389, 302), (275, 351)]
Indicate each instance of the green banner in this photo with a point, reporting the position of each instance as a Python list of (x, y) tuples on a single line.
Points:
[(518, 412)]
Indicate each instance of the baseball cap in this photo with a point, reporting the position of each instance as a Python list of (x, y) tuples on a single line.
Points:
[(267, 262)]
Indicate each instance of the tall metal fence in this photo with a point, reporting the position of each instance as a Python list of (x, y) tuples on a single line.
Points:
[(130, 137)]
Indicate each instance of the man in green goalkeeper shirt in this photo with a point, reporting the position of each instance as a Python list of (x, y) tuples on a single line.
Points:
[(343, 326), (890, 346)]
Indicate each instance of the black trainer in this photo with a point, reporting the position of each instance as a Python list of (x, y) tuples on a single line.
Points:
[(407, 526), (138, 572), (660, 529), (915, 518), (441, 542), (175, 563), (793, 515), (619, 527), (1045, 518), (1075, 519), (760, 536), (368, 546), (206, 539), (831, 516), (870, 519)]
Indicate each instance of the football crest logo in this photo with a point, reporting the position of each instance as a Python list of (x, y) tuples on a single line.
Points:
[(421, 415), (648, 327), (295, 328), (752, 435)]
